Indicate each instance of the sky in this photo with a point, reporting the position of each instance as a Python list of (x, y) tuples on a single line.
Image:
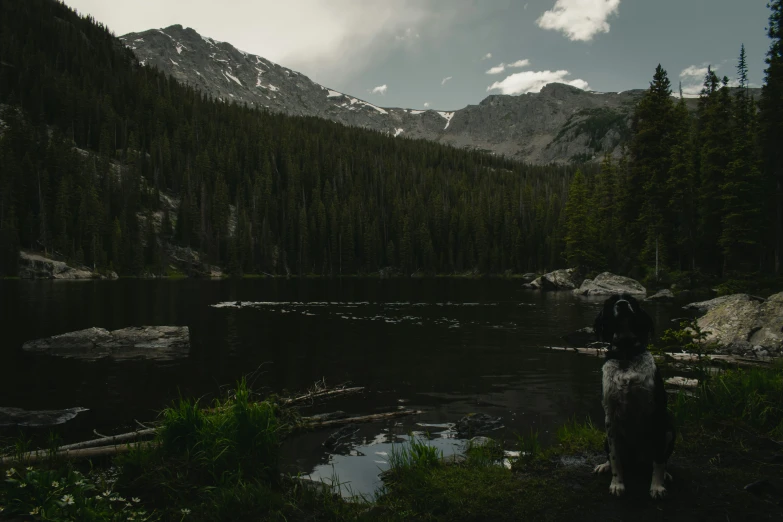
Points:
[(446, 54)]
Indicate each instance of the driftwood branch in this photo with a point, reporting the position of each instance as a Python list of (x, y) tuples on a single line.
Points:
[(311, 423), (102, 451), (682, 382), (105, 441), (322, 394), (687, 357)]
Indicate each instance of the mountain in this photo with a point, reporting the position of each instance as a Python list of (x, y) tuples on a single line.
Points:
[(560, 124)]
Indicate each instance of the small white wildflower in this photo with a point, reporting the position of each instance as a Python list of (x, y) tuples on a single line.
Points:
[(35, 511), (131, 518), (22, 485), (29, 468), (107, 493), (10, 472), (185, 511), (120, 499), (98, 497), (55, 484), (67, 499), (136, 499), (79, 483), (128, 504), (2, 509), (113, 499)]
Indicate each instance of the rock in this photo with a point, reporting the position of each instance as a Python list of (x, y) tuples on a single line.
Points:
[(160, 343), (610, 284), (662, 295), (581, 337), (704, 306), (19, 417), (476, 424), (740, 320), (564, 279), (35, 266), (529, 277), (533, 285)]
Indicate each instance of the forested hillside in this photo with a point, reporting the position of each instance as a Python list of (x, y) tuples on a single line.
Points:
[(109, 163), (117, 166), (698, 193)]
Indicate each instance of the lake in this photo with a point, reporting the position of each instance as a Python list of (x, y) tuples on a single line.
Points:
[(447, 346)]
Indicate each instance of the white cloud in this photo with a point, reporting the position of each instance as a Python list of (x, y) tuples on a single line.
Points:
[(579, 20), (692, 79), (381, 89), (519, 63), (426, 105), (497, 69), (487, 56), (692, 71), (525, 8), (328, 41), (444, 80), (533, 81)]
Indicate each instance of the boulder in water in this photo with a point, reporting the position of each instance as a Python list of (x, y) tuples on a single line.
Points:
[(606, 284), (477, 424), (137, 342), (663, 295), (18, 417)]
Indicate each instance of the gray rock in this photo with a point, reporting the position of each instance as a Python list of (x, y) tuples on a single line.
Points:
[(137, 342), (476, 424), (610, 284), (662, 295), (743, 322), (704, 306), (36, 266), (19, 417), (529, 277), (563, 279)]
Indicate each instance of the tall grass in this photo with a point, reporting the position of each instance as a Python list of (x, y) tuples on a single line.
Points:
[(414, 454), (752, 398)]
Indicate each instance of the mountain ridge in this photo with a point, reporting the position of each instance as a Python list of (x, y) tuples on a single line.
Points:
[(560, 124)]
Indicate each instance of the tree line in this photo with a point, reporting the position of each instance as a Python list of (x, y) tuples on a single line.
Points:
[(697, 193)]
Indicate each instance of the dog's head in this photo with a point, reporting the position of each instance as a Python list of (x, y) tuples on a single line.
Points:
[(624, 325)]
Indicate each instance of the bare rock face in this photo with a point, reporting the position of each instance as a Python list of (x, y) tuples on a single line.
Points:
[(743, 322), (19, 417), (563, 279), (610, 284), (160, 343), (35, 266)]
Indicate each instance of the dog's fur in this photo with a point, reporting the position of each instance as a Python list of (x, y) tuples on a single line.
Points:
[(638, 428)]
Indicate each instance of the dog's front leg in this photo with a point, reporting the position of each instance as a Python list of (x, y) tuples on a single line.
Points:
[(617, 487)]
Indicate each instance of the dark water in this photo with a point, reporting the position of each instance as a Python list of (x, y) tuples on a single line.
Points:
[(445, 346)]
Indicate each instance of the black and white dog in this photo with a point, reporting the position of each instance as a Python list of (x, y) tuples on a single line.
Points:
[(638, 427)]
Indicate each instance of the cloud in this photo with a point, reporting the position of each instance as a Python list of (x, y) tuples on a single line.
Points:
[(533, 81), (487, 56), (692, 79), (407, 35), (381, 89), (497, 69), (426, 105), (332, 42), (444, 80), (579, 20), (519, 63)]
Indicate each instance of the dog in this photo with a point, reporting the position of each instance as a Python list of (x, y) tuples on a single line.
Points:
[(639, 429)]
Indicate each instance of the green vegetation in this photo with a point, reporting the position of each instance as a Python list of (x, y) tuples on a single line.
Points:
[(221, 463)]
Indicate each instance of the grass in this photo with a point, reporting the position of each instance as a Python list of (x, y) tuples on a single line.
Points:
[(221, 463)]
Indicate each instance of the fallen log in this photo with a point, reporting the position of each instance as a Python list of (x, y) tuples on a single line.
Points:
[(692, 357), (102, 451), (309, 422), (107, 440), (682, 382), (322, 394)]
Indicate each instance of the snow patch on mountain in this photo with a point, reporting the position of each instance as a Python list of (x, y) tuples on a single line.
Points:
[(175, 63), (448, 116), (334, 94), (234, 78), (397, 132)]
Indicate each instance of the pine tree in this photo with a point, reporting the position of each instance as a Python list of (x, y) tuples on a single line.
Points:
[(581, 249), (771, 127), (742, 217), (682, 187), (650, 151)]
